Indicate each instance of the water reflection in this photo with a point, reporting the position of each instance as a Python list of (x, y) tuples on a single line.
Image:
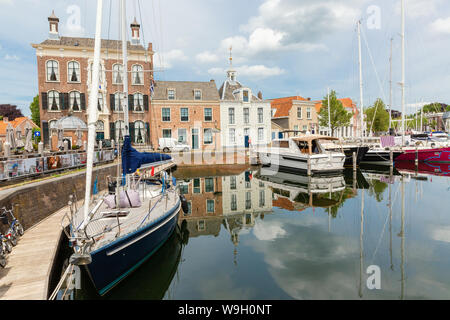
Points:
[(255, 234)]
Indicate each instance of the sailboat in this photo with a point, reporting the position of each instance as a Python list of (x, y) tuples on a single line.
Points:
[(117, 232)]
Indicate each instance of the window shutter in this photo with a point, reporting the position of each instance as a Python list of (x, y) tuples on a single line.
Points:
[(83, 101), (112, 103), (45, 133), (44, 100), (132, 131), (130, 102), (147, 132), (145, 102), (112, 131)]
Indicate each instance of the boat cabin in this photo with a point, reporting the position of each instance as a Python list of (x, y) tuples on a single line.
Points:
[(307, 144)]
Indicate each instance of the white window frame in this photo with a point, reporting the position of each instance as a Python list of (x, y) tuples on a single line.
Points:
[(162, 116), (140, 71), (56, 73), (69, 74)]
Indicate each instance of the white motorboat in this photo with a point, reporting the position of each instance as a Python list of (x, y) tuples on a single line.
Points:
[(302, 154)]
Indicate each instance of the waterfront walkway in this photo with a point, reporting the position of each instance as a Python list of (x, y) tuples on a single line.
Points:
[(27, 273)]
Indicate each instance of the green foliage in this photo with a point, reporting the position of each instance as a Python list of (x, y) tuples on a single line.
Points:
[(378, 117), (37, 139), (34, 108), (339, 116)]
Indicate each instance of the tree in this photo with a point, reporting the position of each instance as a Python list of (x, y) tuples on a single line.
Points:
[(339, 116), (10, 111), (377, 117), (34, 108)]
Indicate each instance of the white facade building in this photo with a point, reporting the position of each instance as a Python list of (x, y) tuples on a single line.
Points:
[(242, 114)]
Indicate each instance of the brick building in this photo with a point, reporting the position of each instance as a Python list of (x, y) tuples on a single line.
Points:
[(349, 131), (187, 111), (293, 113), (64, 75)]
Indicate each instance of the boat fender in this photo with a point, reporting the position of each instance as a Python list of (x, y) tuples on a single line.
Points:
[(184, 204)]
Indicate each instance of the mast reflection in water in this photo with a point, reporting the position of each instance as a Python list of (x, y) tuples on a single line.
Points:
[(255, 234)]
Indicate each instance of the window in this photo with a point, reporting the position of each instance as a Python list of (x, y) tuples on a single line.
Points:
[(231, 115), (260, 134), (196, 184), (296, 128), (74, 72), (246, 115), (117, 74), (248, 200), (209, 185), (305, 128), (201, 225), (246, 132), (184, 188), (245, 96), (139, 132), (120, 129), (260, 115), (233, 202), (232, 136), (118, 101), (74, 101), (207, 136), (308, 113), (299, 112), (100, 102), (208, 114), (197, 95), (167, 133), (170, 94), (189, 208), (53, 100), (233, 183), (138, 102), (137, 74), (99, 126), (184, 114), (52, 70), (182, 135), (166, 114), (262, 198), (210, 206), (52, 124)]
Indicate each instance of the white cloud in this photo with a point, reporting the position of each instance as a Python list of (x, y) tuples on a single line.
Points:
[(441, 26), (419, 8), (255, 72), (268, 232), (167, 60), (206, 57), (13, 57)]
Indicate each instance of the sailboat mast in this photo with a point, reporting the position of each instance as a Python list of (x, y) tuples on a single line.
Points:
[(390, 88), (329, 112), (125, 65), (92, 111), (360, 81), (403, 71)]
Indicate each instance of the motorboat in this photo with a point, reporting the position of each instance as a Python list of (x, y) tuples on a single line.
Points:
[(303, 153)]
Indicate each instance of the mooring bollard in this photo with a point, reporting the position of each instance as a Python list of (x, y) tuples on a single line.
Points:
[(7, 151), (354, 161), (41, 148), (66, 145)]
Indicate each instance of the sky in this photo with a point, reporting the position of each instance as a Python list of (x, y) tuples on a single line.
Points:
[(280, 47)]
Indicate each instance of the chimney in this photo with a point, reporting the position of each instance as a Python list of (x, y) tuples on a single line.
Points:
[(309, 99), (260, 95), (135, 30), (53, 24)]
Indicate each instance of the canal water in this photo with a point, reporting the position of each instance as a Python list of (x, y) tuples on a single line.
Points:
[(261, 234)]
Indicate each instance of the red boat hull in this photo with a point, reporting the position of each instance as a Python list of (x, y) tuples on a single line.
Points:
[(441, 155), (436, 169)]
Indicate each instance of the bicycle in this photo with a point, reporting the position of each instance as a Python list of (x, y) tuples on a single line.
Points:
[(15, 224), (15, 229)]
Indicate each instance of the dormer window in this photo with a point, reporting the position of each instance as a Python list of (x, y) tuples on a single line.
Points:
[(171, 94), (197, 95), (245, 96)]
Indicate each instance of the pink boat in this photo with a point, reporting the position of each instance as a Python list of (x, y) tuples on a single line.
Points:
[(441, 155)]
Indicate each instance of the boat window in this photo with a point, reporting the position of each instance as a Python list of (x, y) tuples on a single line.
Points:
[(315, 147), (303, 146)]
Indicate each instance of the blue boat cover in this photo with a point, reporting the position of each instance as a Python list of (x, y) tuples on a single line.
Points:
[(133, 159)]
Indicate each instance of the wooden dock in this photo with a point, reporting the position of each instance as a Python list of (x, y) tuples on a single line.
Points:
[(29, 265), (27, 272)]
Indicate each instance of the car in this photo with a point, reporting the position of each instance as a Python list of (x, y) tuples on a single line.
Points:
[(172, 144)]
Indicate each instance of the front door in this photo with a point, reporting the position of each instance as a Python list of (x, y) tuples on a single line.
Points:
[(195, 142)]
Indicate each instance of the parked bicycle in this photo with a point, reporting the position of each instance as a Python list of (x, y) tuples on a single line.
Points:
[(15, 229), (5, 248)]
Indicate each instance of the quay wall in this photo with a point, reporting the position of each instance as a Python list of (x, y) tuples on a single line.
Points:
[(36, 201)]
